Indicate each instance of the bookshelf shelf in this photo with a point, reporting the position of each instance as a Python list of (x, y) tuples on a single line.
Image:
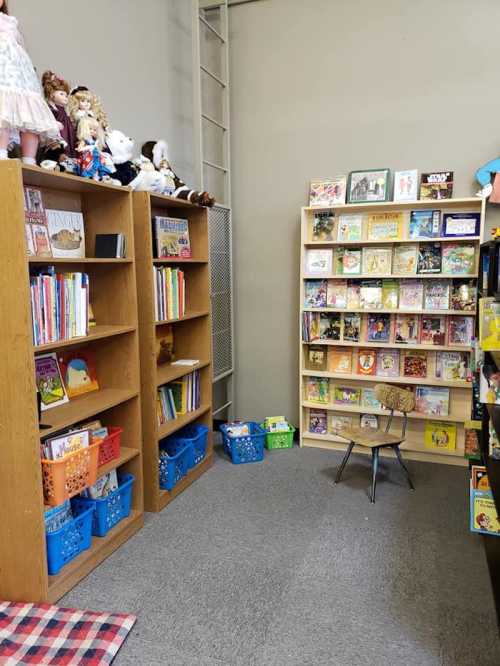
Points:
[(126, 454), (191, 333), (114, 341), (460, 392)]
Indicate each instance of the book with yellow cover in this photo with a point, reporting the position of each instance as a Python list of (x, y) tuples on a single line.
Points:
[(340, 360), (489, 324), (440, 435), (483, 513), (385, 226)]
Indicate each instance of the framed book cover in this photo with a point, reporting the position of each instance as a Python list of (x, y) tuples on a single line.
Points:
[(368, 421), (429, 258), (371, 295), (452, 366), (437, 295), (318, 421), (405, 185), (439, 435), (460, 330), (339, 422), (66, 233), (377, 260), (353, 295), (424, 224), (340, 361), (315, 293), (317, 390), (387, 363), (369, 399), (459, 259), (367, 362), (464, 295), (351, 328), (172, 237), (385, 226), (315, 358), (350, 228), (329, 326), (347, 261), (411, 294), (323, 227), (346, 395), (318, 262), (336, 295), (415, 364), (78, 371), (405, 259), (390, 294), (433, 330), (378, 328), (436, 185), (407, 329), (432, 400), (49, 381), (327, 192), (461, 224), (368, 186)]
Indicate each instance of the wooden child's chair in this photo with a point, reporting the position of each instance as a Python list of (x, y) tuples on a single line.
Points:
[(394, 399)]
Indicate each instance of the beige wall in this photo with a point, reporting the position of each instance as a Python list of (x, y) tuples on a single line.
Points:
[(325, 87), (135, 54)]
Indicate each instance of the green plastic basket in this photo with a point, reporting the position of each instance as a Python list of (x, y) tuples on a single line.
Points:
[(279, 440)]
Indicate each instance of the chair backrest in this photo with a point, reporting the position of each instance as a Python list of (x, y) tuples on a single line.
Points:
[(395, 399)]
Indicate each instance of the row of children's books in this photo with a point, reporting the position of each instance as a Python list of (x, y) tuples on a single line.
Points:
[(405, 294), (73, 439), (414, 364), (483, 513), (170, 301), (430, 400), (405, 259), (393, 226), (387, 328), (65, 375), (59, 305), (178, 397)]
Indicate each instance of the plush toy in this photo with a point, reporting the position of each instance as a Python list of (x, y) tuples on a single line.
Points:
[(148, 178), (157, 153), (488, 176), (121, 148)]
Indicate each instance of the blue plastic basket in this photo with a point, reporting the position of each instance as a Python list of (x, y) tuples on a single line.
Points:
[(196, 437), (247, 448), (175, 465), (70, 540), (110, 510)]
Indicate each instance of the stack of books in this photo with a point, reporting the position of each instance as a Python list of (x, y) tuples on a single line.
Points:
[(179, 397), (170, 302)]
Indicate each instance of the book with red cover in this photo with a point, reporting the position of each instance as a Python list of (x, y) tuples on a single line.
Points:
[(367, 361)]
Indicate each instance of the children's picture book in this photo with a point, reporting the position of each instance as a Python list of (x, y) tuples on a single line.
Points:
[(347, 261), (377, 260), (33, 200), (460, 330), (339, 422), (464, 295), (489, 324), (472, 448), (367, 361), (66, 233), (440, 435), (104, 485), (336, 295), (368, 421), (327, 192), (353, 295), (318, 262), (49, 382), (461, 224), (346, 395), (483, 514), (411, 294), (56, 517), (350, 228), (323, 227), (388, 363), (436, 185), (415, 364), (489, 384), (425, 224), (318, 421), (459, 259), (379, 328), (432, 330), (390, 294), (436, 295), (171, 237), (78, 371), (432, 400), (40, 235), (405, 259), (329, 326), (369, 399), (407, 329), (351, 327), (405, 185), (317, 390), (310, 326), (315, 357), (385, 226), (479, 478), (58, 447), (452, 366), (370, 295), (366, 186), (429, 258), (315, 293), (340, 361)]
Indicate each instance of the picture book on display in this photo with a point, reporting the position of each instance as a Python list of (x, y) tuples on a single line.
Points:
[(461, 224), (58, 447), (323, 228), (78, 371), (411, 294), (439, 435), (407, 329), (318, 421), (347, 261), (436, 295), (315, 358), (489, 324), (318, 262), (369, 399), (472, 448), (459, 259), (414, 364), (452, 366), (432, 400), (436, 185), (388, 363), (405, 185), (379, 328), (460, 330), (315, 292), (310, 326), (368, 421), (329, 326), (336, 295), (346, 395), (483, 514), (339, 422), (66, 233), (385, 226), (350, 228), (56, 517), (429, 258), (353, 295), (405, 259), (327, 192), (390, 294), (367, 362), (377, 260), (489, 384), (36, 229), (351, 327), (370, 293), (425, 224), (432, 330), (464, 295), (172, 237), (49, 382), (105, 484), (317, 390), (340, 361)]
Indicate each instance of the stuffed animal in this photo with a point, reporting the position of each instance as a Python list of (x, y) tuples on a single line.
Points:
[(489, 179), (157, 153), (121, 148), (148, 178)]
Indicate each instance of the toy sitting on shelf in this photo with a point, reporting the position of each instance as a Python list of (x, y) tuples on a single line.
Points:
[(488, 176), (92, 162)]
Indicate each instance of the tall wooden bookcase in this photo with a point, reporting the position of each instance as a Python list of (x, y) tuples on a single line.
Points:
[(192, 335), (460, 391), (114, 340)]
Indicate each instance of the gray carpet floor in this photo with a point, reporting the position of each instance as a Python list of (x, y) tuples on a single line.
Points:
[(269, 564)]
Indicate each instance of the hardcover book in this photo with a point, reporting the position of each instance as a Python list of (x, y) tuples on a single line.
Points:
[(317, 390), (353, 295), (340, 361), (327, 192), (336, 295), (78, 371), (472, 449), (405, 259), (407, 329), (436, 185), (329, 326), (110, 246), (339, 422), (350, 228), (318, 262), (347, 261), (368, 421), (433, 330), (377, 260), (483, 514), (317, 421), (390, 294), (379, 328), (459, 259), (66, 233), (105, 484), (30, 244), (414, 364), (369, 399), (460, 330), (388, 362), (452, 366), (437, 295), (385, 226), (323, 228), (367, 361), (411, 294), (425, 224), (33, 200), (371, 295), (406, 185), (58, 447), (429, 258), (432, 400), (461, 224), (352, 327), (49, 381), (40, 235), (463, 295), (315, 293), (315, 357), (346, 395), (489, 324), (440, 435), (489, 385), (172, 237)]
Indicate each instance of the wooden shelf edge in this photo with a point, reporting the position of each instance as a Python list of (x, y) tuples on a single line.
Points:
[(391, 276), (406, 241), (165, 496), (355, 409), (178, 260), (168, 373), (83, 260), (100, 549), (388, 345), (36, 176), (424, 381), (126, 454), (443, 313), (194, 314), (172, 426), (418, 203), (96, 333)]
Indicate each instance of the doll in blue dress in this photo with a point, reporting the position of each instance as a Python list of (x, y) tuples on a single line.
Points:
[(92, 162)]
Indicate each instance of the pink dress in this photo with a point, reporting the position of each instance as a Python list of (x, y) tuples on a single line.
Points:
[(22, 106)]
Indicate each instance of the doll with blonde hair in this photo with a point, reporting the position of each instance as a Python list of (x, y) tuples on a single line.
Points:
[(83, 103), (92, 162)]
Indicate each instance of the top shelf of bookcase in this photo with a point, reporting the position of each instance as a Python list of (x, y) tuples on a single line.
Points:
[(38, 177), (471, 202), (398, 241), (165, 201)]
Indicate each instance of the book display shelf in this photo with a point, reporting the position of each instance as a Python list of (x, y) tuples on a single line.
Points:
[(191, 336), (421, 338), (114, 343)]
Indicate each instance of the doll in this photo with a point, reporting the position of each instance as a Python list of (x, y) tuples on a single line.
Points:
[(92, 162), (22, 106), (56, 92), (83, 103)]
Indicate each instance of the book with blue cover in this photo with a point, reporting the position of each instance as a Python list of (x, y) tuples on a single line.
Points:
[(425, 224)]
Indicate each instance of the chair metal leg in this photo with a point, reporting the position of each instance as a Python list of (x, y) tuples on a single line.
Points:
[(344, 462), (375, 453), (405, 469)]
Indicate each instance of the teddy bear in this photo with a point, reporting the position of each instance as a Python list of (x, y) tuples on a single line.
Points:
[(121, 148)]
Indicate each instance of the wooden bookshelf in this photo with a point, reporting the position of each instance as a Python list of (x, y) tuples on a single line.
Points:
[(114, 341), (460, 391), (192, 335)]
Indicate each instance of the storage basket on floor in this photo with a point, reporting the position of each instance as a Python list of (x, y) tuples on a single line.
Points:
[(110, 510), (282, 439), (109, 448), (173, 466), (245, 448), (70, 540), (196, 437), (70, 475)]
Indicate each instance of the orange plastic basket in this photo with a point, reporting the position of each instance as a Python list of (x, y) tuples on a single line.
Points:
[(70, 475)]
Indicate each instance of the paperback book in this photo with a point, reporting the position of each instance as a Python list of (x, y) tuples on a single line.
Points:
[(318, 421), (472, 448), (489, 324), (328, 192), (461, 224), (49, 382), (377, 260), (464, 295), (390, 294), (347, 261), (437, 295), (57, 516), (78, 371), (315, 293), (61, 446), (370, 295), (340, 361), (329, 326), (379, 328), (353, 295), (105, 484), (436, 185), (452, 366), (315, 357), (367, 362), (369, 399), (310, 326), (489, 384), (352, 327), (66, 233), (415, 364), (432, 400), (433, 330), (388, 362), (323, 228), (429, 258), (336, 295), (405, 259), (368, 421), (317, 390), (411, 294), (406, 185), (346, 395), (407, 329), (385, 226), (318, 262), (339, 422), (440, 435), (172, 237), (425, 224), (350, 228), (459, 259), (460, 330)]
